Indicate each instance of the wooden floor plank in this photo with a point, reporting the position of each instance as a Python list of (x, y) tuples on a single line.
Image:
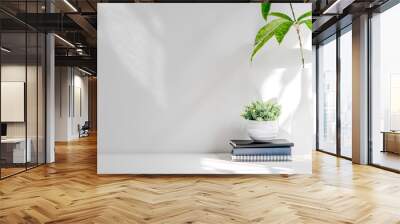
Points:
[(70, 191)]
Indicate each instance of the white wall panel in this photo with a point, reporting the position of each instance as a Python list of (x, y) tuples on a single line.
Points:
[(174, 78)]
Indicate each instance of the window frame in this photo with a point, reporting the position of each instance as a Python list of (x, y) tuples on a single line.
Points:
[(334, 37)]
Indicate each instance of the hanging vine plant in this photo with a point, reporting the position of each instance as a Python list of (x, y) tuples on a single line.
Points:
[(280, 26)]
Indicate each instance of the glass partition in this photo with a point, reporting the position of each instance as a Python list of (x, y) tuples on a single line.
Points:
[(346, 93), (14, 155), (32, 98), (327, 96), (334, 63), (385, 90), (41, 88), (22, 100)]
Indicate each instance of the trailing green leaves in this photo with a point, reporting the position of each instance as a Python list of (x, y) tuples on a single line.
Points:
[(265, 8), (305, 15), (279, 27), (282, 30), (303, 19), (265, 34), (281, 15), (268, 29), (307, 22)]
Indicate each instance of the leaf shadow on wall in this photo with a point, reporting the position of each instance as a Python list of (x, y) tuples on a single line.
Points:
[(159, 67), (291, 85)]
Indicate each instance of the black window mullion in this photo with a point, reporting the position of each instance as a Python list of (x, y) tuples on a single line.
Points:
[(338, 91), (0, 96), (37, 90), (26, 87), (45, 88), (317, 94), (369, 90)]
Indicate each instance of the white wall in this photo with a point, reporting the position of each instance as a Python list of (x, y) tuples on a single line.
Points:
[(50, 95), (80, 109), (61, 103), (68, 81), (174, 78), (18, 73)]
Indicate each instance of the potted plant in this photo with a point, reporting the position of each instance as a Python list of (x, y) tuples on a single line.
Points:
[(262, 118)]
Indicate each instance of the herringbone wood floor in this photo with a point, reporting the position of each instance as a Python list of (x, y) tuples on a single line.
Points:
[(70, 191)]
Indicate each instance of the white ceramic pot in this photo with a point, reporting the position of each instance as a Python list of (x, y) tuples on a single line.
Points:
[(262, 131)]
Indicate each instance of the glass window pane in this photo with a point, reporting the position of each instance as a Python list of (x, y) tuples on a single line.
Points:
[(327, 97), (31, 86), (13, 87), (346, 94), (32, 95), (22, 90), (385, 93), (41, 99)]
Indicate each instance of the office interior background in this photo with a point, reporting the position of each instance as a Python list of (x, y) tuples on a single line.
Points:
[(49, 81), (27, 57), (334, 69)]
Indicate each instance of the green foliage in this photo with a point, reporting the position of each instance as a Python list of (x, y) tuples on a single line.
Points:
[(282, 30), (305, 15), (281, 15), (262, 111), (266, 33), (308, 23), (279, 27), (265, 7)]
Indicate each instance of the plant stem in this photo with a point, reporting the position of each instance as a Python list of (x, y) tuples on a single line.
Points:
[(297, 27), (294, 16)]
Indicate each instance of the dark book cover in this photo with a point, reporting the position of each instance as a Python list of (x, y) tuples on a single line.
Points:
[(275, 143)]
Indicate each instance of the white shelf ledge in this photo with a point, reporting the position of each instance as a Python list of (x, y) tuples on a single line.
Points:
[(196, 163)]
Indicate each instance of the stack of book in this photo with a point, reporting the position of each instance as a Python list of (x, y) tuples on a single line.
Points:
[(250, 151)]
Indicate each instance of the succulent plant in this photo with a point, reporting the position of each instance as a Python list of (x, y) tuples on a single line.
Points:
[(262, 111)]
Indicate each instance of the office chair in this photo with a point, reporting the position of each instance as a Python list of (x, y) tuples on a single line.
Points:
[(84, 130)]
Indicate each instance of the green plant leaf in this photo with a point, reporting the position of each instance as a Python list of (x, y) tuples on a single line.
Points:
[(265, 34), (306, 14), (282, 30), (265, 7), (308, 23), (267, 29), (281, 15), (260, 34), (260, 45)]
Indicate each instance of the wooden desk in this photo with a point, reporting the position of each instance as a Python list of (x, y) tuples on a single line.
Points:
[(391, 142)]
